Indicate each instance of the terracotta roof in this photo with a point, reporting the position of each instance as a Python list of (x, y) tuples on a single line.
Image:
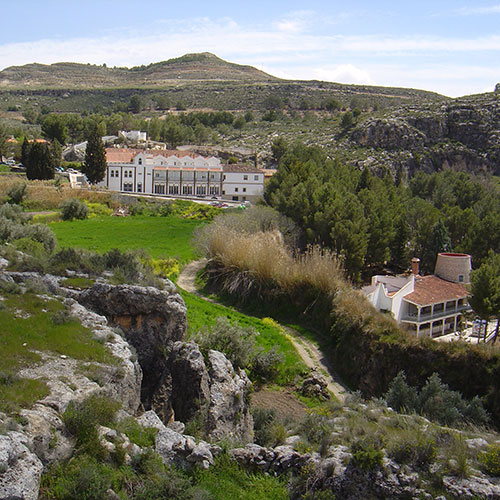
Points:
[(433, 290), (121, 155), (241, 168)]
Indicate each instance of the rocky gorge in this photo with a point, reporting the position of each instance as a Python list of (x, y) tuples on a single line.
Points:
[(163, 381)]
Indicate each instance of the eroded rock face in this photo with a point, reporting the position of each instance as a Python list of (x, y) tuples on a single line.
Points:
[(190, 380), (152, 321), (214, 387), (20, 469), (228, 412)]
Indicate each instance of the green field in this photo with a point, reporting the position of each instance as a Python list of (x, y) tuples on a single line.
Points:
[(202, 314), (159, 236)]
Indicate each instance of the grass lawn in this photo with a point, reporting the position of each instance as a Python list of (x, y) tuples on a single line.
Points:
[(202, 314), (159, 236)]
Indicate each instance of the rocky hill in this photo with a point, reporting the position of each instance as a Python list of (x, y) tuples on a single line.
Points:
[(462, 134), (199, 80), (67, 75)]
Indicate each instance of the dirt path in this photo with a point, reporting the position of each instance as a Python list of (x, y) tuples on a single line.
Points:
[(308, 351)]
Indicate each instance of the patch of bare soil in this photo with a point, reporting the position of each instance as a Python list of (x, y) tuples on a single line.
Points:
[(286, 405)]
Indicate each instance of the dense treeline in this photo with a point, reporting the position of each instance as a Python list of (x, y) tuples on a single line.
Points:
[(370, 221), (173, 129)]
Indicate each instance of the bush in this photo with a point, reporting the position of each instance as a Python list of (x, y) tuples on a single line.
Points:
[(490, 460), (38, 232), (14, 213), (413, 448), (97, 209), (435, 401), (82, 419), (16, 193), (266, 364), (237, 343), (73, 209), (30, 247), (366, 456)]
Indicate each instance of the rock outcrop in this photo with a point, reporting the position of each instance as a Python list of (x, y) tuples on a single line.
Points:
[(152, 320), (462, 134), (20, 469), (214, 388)]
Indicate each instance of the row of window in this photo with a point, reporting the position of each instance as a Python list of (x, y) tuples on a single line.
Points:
[(158, 175), (116, 173), (243, 189), (245, 177), (186, 190)]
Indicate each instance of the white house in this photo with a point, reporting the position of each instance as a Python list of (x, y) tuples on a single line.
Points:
[(242, 183), (428, 305), (133, 136), (179, 173)]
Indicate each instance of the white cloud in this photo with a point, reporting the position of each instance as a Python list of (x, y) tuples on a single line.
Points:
[(467, 11), (289, 51)]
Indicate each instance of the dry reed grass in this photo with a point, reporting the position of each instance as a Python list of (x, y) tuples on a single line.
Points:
[(265, 257), (47, 195)]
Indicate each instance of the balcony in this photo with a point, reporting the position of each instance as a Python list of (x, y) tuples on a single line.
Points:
[(425, 318)]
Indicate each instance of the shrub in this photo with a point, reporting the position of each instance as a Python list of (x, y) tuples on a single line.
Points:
[(73, 209), (37, 232), (265, 364), (165, 268), (268, 430), (14, 213), (490, 460), (366, 456), (82, 419), (77, 259), (237, 343), (16, 193), (30, 247), (97, 209), (436, 401), (413, 448)]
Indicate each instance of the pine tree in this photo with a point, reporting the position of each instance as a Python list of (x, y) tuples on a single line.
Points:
[(95, 158), (39, 163)]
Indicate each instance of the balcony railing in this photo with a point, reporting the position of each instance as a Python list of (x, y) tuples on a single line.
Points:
[(424, 318)]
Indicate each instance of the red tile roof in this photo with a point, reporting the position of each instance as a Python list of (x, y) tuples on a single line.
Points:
[(433, 290)]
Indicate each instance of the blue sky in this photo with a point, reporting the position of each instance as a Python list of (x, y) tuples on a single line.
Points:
[(451, 47)]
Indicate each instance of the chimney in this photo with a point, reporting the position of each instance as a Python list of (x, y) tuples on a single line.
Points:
[(415, 265)]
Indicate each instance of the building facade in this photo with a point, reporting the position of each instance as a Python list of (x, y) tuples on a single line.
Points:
[(179, 173), (427, 305)]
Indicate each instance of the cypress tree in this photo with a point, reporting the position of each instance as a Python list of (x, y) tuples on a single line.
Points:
[(95, 158)]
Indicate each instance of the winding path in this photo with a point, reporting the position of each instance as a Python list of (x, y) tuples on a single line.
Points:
[(309, 352)]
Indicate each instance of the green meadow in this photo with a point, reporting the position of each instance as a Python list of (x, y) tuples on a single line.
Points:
[(159, 236)]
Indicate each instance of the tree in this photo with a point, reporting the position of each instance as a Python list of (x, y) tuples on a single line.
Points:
[(54, 127), (347, 121), (39, 162), (95, 158), (55, 152), (278, 148), (485, 290), (135, 104), (25, 149)]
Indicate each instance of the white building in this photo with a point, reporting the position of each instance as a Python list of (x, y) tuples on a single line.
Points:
[(428, 305), (133, 136), (242, 183), (179, 173)]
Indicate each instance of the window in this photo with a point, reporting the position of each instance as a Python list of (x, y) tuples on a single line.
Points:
[(212, 176), (157, 174), (244, 190), (214, 190), (159, 189), (460, 278), (255, 177), (201, 190), (127, 186), (235, 190), (139, 187), (245, 177), (125, 173), (140, 161), (224, 177), (235, 198), (223, 191), (187, 190), (173, 189), (112, 173)]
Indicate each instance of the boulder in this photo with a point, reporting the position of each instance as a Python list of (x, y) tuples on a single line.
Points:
[(315, 386)]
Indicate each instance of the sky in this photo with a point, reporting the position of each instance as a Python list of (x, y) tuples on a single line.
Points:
[(450, 47)]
